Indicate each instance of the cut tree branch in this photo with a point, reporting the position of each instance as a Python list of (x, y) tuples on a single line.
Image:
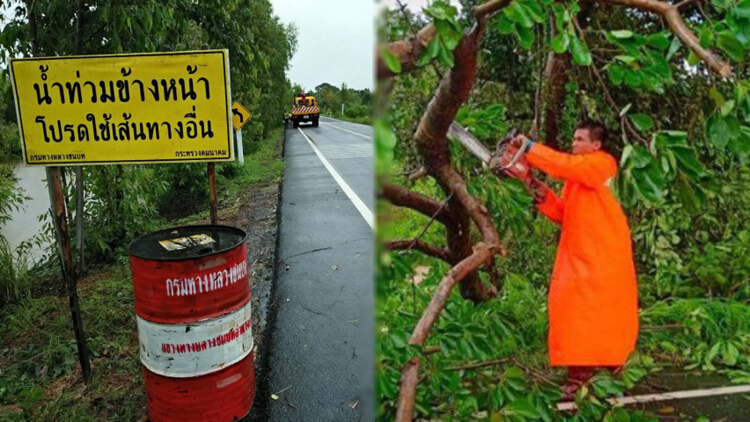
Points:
[(463, 269), (403, 197), (671, 14), (409, 381), (421, 246)]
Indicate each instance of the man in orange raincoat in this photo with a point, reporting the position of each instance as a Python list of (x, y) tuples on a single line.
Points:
[(593, 296)]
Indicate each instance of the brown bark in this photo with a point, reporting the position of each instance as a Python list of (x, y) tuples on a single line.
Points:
[(409, 381), (403, 197), (421, 246), (556, 74), (457, 274)]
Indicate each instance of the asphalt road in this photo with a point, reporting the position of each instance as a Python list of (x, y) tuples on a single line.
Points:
[(321, 362)]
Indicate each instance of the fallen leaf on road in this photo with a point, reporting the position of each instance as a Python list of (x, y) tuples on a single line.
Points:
[(287, 268), (287, 299), (291, 405), (667, 409), (355, 404), (420, 273), (352, 321), (335, 267), (274, 396)]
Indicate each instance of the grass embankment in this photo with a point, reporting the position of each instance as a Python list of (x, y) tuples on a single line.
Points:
[(361, 120), (40, 378)]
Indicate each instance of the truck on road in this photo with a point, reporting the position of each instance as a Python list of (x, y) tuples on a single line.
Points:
[(305, 110)]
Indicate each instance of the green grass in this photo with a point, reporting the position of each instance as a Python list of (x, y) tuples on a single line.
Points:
[(40, 378), (361, 120), (263, 164)]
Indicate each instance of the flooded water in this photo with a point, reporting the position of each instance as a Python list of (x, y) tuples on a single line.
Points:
[(24, 223)]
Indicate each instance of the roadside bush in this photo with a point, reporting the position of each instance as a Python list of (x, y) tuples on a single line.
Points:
[(10, 144), (122, 205)]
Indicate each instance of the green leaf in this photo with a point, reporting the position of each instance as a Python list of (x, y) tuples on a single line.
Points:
[(717, 131), (429, 53), (505, 26), (581, 55), (742, 9), (522, 407), (649, 182), (535, 10), (560, 43), (525, 37), (616, 74), (717, 96), (391, 60), (625, 59), (687, 161), (706, 36), (727, 108), (740, 144), (673, 47), (641, 157), (626, 152), (642, 122), (659, 41), (622, 34), (729, 44), (518, 14), (446, 57)]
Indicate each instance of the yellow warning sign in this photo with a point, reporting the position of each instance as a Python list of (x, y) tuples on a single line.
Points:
[(124, 108), (240, 115)]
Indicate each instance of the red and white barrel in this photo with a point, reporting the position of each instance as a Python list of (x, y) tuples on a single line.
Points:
[(192, 304)]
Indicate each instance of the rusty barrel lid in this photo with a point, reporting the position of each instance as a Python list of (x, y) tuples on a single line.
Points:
[(188, 242)]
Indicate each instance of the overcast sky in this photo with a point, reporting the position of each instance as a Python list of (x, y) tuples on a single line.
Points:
[(335, 41)]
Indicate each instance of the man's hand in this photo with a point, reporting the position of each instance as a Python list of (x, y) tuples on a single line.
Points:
[(519, 141), (538, 189)]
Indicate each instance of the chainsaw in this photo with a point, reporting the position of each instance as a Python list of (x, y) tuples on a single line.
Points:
[(509, 160)]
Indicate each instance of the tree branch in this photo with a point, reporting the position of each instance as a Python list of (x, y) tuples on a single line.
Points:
[(421, 246), (403, 197), (672, 15), (409, 381), (408, 51), (685, 3), (459, 272)]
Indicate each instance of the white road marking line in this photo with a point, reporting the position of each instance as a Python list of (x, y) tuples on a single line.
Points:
[(361, 207), (350, 131), (674, 395)]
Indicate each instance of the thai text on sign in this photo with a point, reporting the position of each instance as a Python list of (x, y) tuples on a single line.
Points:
[(197, 348), (161, 107)]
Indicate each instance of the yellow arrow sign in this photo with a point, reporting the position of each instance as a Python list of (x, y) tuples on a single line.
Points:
[(240, 115)]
